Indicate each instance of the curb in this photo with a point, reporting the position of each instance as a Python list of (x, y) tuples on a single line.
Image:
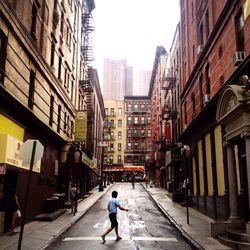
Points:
[(68, 226), (175, 224)]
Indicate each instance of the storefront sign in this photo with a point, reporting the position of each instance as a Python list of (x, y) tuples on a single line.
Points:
[(10, 150), (173, 155), (86, 160), (81, 126), (10, 153)]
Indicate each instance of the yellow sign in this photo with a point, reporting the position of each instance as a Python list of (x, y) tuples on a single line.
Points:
[(10, 153), (246, 9), (87, 160), (81, 126), (9, 127)]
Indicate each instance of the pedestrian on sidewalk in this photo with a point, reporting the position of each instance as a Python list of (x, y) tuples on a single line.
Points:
[(13, 208), (112, 208), (146, 179), (73, 204)]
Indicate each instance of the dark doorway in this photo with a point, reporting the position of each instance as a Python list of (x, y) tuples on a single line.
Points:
[(243, 195), (10, 181)]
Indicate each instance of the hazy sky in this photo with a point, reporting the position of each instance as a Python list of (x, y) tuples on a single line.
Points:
[(132, 29)]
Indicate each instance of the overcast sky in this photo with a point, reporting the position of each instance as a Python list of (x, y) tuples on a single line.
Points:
[(132, 29)]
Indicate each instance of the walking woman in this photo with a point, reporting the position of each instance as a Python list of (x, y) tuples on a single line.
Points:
[(12, 208)]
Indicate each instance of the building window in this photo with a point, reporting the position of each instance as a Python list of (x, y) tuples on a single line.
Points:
[(136, 107), (106, 111), (207, 25), (33, 22), (60, 67), (59, 118), (149, 119), (71, 129), (52, 53), (3, 54), (143, 133), (142, 120), (119, 159), (119, 123), (112, 111), (142, 107), (136, 133), (136, 120), (201, 92), (119, 111), (129, 145), (111, 146), (193, 102), (72, 90), (111, 159), (119, 147), (62, 23), (240, 39), (149, 132), (129, 107), (200, 34), (51, 110), (135, 145), (31, 89), (129, 133), (119, 135), (65, 122), (112, 123), (129, 120)]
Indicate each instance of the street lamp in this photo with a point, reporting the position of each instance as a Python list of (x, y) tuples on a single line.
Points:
[(102, 145), (108, 172)]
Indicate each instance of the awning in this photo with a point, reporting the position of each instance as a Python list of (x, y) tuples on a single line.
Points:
[(134, 168)]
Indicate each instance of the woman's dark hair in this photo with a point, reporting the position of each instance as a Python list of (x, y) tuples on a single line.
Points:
[(114, 194)]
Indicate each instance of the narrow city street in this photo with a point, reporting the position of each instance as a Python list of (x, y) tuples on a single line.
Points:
[(142, 227)]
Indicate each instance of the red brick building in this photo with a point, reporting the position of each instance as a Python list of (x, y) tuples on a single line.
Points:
[(214, 87), (138, 131)]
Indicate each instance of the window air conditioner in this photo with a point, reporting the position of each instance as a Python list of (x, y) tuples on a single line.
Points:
[(206, 98), (238, 57), (200, 48)]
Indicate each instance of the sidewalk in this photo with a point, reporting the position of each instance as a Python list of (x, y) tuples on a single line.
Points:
[(197, 232), (38, 235)]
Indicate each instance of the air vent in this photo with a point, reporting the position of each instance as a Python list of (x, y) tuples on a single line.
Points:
[(200, 49), (238, 57), (206, 98)]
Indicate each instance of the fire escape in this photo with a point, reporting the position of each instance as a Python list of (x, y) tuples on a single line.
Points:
[(169, 114), (87, 83)]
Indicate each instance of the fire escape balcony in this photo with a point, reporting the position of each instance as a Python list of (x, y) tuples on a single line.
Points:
[(168, 114), (169, 83), (86, 85)]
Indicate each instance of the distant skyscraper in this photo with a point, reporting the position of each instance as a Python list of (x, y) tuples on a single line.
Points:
[(141, 79), (114, 79), (120, 80), (129, 81)]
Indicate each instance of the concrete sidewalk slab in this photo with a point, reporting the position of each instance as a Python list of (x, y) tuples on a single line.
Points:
[(40, 234), (197, 232)]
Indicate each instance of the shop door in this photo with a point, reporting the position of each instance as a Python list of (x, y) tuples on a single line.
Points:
[(10, 181), (243, 195)]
